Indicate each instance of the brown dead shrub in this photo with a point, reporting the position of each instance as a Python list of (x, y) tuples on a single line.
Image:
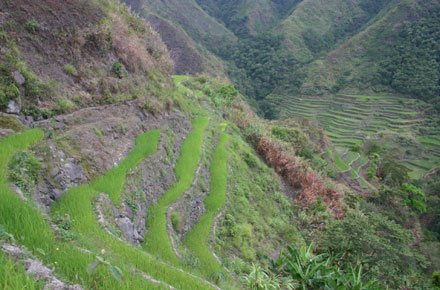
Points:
[(299, 175)]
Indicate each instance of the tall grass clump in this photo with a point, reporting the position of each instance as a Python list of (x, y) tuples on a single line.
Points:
[(197, 239), (156, 239)]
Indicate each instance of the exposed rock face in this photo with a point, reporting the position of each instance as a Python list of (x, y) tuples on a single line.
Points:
[(18, 78), (128, 230), (13, 107)]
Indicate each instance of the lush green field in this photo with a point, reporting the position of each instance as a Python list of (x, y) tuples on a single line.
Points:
[(197, 239), (156, 239)]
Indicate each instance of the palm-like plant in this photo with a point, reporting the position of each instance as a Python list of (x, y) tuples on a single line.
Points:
[(352, 280), (309, 271), (260, 280)]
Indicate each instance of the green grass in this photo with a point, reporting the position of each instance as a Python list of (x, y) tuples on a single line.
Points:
[(156, 239), (429, 140), (351, 157), (177, 81), (197, 240), (113, 180), (25, 222), (340, 164), (13, 276), (78, 204)]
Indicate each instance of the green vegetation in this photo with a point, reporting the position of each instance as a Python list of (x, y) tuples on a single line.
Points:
[(98, 133), (63, 105), (197, 240), (117, 69), (113, 180), (13, 276), (8, 90), (302, 269), (413, 68), (77, 203), (156, 239), (31, 26), (176, 221), (24, 170), (71, 70)]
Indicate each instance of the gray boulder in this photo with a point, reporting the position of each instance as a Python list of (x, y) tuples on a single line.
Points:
[(13, 107), (18, 78)]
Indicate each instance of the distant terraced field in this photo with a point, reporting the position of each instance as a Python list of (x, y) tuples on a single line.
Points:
[(349, 120)]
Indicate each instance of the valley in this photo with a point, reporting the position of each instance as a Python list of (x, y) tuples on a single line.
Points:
[(266, 144)]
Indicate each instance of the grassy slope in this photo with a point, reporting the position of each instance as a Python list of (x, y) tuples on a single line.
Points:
[(113, 180), (22, 219), (77, 203), (205, 29), (156, 239), (197, 239), (13, 276)]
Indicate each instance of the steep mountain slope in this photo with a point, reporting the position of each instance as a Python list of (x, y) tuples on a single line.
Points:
[(114, 174), (191, 50), (354, 65), (305, 47)]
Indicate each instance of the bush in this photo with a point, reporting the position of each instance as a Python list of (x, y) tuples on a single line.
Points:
[(280, 133), (306, 153), (31, 26), (38, 113), (118, 69), (356, 148), (71, 70), (7, 93), (228, 92), (63, 105), (24, 170), (436, 279), (8, 90)]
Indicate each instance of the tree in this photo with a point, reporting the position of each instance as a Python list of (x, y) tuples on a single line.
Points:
[(381, 243), (414, 197)]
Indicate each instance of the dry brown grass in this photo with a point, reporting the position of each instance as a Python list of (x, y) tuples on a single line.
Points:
[(139, 52)]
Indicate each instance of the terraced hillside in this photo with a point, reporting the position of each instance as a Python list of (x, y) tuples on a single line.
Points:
[(350, 120)]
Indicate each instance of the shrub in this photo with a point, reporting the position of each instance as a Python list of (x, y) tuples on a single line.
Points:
[(71, 70), (63, 105), (280, 133), (31, 26), (436, 279), (38, 113), (7, 93), (24, 170), (8, 90), (306, 153), (98, 132), (118, 69), (356, 148), (228, 92)]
